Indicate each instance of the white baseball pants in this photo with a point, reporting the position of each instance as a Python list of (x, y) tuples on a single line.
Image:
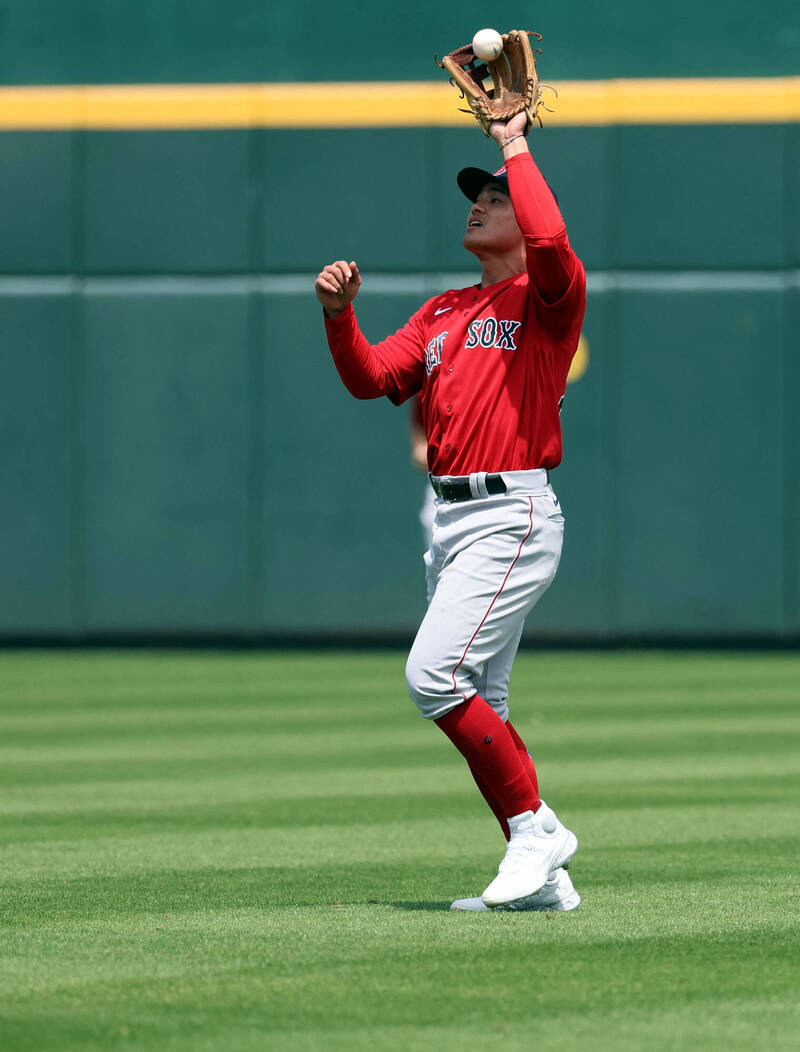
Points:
[(490, 561)]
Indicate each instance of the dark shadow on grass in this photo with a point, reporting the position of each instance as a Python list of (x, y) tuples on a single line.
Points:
[(430, 907)]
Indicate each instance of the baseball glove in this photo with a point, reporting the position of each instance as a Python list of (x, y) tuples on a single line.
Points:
[(514, 80)]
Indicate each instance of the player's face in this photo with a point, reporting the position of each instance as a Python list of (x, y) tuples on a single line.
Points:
[(491, 223)]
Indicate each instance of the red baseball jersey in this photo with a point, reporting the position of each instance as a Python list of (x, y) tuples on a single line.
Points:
[(490, 363)]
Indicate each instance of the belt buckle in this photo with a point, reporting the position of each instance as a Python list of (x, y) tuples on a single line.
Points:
[(451, 489), (441, 487), (451, 493), (454, 489)]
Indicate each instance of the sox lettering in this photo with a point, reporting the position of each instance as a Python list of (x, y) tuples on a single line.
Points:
[(492, 332)]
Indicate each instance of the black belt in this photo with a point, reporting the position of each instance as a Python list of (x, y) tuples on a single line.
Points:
[(452, 488)]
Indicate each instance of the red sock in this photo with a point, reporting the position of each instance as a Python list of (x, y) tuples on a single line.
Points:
[(527, 763), (486, 744), (491, 800), (527, 760)]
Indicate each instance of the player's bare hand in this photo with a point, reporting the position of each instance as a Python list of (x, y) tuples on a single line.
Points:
[(500, 131), (337, 285)]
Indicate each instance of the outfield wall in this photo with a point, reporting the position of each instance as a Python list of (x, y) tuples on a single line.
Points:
[(179, 456), (169, 41)]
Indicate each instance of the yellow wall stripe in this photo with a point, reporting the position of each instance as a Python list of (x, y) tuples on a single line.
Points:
[(413, 104)]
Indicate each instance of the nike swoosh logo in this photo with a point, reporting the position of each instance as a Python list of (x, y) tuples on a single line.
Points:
[(441, 310)]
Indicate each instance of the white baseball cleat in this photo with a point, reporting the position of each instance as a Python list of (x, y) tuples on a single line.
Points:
[(539, 845), (558, 893)]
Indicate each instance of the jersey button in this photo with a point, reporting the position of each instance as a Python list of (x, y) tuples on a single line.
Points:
[(449, 368), (449, 409)]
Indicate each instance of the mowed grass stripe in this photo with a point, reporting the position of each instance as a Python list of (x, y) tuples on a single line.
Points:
[(259, 737), (242, 927), (760, 707), (421, 838), (337, 809), (363, 962), (215, 851), (405, 755), (153, 791), (344, 672), (169, 891), (101, 809), (36, 776)]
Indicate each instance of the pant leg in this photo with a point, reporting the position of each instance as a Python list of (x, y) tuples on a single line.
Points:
[(497, 673), (490, 562)]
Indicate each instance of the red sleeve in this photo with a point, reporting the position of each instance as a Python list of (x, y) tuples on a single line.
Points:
[(552, 265), (394, 367)]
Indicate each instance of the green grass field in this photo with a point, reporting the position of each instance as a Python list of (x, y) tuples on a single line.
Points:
[(258, 851)]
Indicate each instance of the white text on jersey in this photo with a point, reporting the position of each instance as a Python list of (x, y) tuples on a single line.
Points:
[(492, 332), (433, 352)]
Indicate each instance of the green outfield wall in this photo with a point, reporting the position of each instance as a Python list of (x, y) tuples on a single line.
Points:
[(179, 457), (152, 41)]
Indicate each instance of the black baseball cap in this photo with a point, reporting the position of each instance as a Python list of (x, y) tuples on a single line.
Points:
[(472, 180)]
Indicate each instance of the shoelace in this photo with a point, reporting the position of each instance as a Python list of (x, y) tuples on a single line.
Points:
[(517, 854)]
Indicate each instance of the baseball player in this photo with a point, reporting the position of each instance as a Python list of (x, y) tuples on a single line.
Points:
[(490, 363)]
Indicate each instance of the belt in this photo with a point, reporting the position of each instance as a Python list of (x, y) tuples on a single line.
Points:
[(452, 488)]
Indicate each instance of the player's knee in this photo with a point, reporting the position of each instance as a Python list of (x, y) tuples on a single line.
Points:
[(430, 688), (500, 707)]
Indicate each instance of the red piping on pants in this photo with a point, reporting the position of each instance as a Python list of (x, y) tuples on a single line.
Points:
[(497, 596)]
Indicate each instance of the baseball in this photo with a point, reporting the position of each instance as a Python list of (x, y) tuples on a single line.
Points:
[(487, 44)]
